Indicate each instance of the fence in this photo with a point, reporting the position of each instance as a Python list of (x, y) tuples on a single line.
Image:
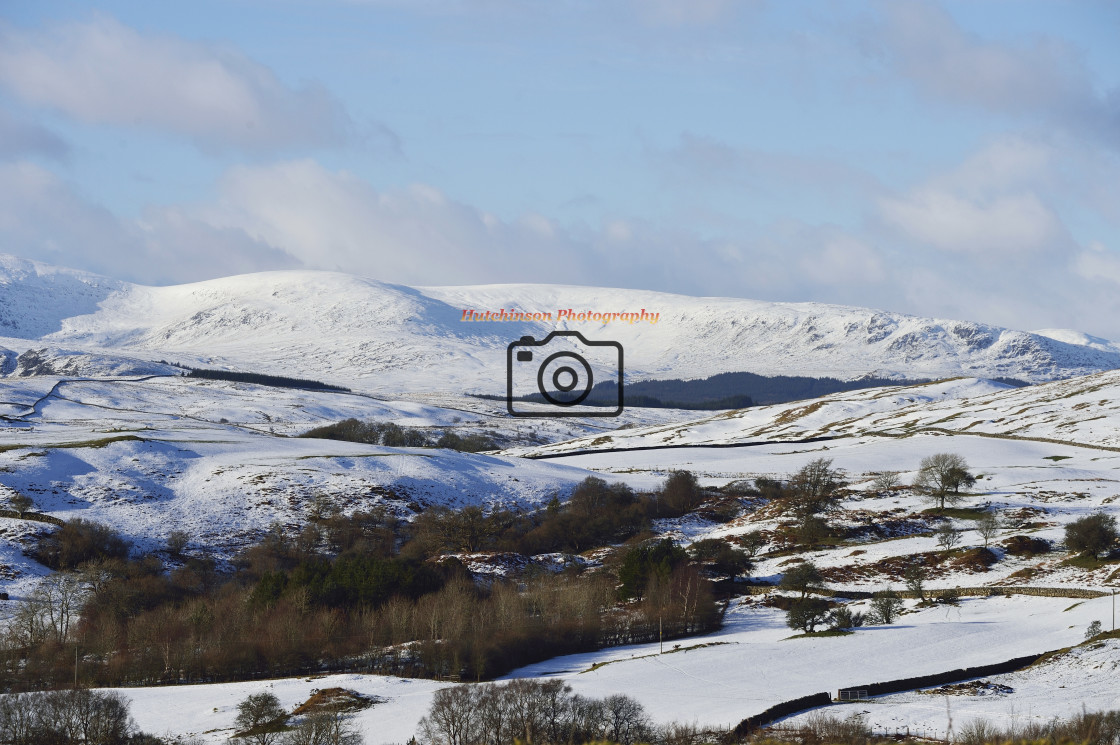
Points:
[(862, 692), (937, 679)]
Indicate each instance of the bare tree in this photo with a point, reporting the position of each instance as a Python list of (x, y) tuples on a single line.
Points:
[(948, 535), (942, 476), (21, 503), (50, 609), (324, 728), (915, 577), (260, 718), (988, 526), (627, 721), (452, 718), (886, 481)]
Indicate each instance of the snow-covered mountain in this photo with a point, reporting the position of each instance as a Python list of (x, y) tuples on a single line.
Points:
[(382, 337)]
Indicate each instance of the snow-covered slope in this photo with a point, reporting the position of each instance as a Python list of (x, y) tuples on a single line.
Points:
[(1082, 411), (376, 336)]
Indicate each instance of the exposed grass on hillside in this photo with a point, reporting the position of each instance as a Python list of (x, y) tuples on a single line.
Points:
[(98, 443), (1088, 561), (829, 632), (959, 513)]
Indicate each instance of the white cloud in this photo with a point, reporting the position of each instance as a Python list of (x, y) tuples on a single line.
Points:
[(930, 48), (41, 217), (335, 220), (104, 72), (1098, 263), (1005, 224), (844, 259)]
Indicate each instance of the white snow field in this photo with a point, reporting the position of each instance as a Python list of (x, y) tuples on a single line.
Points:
[(1082, 679)]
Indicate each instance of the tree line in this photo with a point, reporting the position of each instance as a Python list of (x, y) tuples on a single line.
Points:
[(365, 591)]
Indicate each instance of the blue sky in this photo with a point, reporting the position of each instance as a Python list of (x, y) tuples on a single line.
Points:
[(955, 159)]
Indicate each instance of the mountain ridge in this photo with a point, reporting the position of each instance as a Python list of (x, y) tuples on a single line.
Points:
[(373, 335)]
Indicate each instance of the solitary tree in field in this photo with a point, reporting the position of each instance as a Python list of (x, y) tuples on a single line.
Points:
[(886, 481), (886, 606), (813, 491), (1093, 534), (941, 478), (988, 526), (260, 719), (948, 536), (21, 503), (806, 614), (802, 578)]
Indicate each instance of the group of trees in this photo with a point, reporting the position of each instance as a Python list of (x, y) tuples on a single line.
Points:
[(364, 591), (261, 720), (596, 514), (531, 711), (69, 717), (391, 434)]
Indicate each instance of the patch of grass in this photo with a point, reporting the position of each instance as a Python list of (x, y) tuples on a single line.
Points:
[(99, 443), (1057, 458), (960, 513), (1072, 607), (1088, 561), (830, 632), (676, 648)]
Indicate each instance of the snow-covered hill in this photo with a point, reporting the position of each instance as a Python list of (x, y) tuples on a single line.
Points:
[(380, 337), (1079, 411)]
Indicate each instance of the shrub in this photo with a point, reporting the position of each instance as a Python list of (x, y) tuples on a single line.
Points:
[(21, 503), (1092, 534), (1093, 630), (951, 596), (844, 618), (260, 719), (976, 560), (1022, 545), (801, 578), (885, 606), (542, 712), (806, 614), (177, 542), (79, 541), (681, 492), (643, 563)]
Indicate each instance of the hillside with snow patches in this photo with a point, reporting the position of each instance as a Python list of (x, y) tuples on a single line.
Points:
[(380, 337), (94, 424)]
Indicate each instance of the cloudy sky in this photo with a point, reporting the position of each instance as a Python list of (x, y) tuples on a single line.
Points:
[(954, 159)]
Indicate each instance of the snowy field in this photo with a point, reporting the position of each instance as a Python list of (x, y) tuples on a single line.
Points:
[(719, 679), (1083, 679), (214, 459)]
